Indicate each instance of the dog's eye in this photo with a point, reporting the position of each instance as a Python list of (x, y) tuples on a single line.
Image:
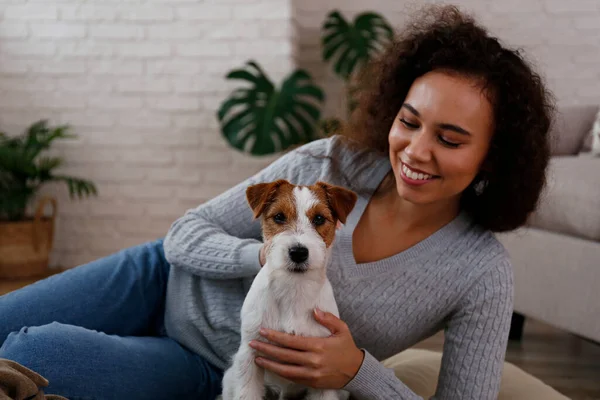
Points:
[(318, 219), (279, 218)]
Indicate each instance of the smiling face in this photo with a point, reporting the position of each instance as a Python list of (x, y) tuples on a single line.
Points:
[(440, 138)]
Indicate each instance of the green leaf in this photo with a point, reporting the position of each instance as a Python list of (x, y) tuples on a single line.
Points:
[(45, 165), (13, 202), (16, 161), (77, 187), (258, 119), (40, 136), (352, 45), (23, 168)]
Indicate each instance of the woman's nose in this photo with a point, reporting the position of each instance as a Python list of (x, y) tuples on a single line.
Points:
[(419, 147)]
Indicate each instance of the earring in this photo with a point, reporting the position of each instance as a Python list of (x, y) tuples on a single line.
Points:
[(480, 186)]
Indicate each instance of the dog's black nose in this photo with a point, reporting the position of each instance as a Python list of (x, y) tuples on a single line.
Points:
[(298, 254)]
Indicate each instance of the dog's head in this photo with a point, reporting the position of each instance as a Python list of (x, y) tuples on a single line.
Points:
[(299, 221)]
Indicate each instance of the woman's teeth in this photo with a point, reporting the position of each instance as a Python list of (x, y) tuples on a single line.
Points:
[(415, 175)]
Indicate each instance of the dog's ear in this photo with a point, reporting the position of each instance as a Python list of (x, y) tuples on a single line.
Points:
[(341, 200), (260, 195)]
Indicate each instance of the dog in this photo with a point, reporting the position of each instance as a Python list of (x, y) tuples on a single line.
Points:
[(298, 227)]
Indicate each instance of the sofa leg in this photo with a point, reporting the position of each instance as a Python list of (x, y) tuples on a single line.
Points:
[(516, 327)]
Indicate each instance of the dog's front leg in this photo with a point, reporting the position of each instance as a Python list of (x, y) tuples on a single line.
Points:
[(245, 380), (320, 394), (248, 377)]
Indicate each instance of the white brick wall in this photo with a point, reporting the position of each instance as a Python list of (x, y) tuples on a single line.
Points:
[(139, 81), (561, 37)]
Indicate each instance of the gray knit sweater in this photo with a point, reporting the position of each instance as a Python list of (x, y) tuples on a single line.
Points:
[(459, 279)]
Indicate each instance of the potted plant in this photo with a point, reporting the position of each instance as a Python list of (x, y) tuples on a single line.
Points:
[(263, 119), (26, 240)]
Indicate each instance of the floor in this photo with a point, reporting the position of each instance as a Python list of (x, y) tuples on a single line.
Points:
[(569, 364)]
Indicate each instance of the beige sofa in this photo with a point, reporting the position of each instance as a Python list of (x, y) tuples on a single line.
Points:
[(556, 257)]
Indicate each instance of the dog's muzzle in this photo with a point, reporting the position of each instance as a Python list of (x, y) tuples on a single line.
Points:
[(298, 255)]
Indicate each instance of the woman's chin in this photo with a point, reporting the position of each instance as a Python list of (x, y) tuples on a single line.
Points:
[(413, 196), (426, 194)]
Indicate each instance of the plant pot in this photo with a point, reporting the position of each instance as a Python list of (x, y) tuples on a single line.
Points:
[(25, 245)]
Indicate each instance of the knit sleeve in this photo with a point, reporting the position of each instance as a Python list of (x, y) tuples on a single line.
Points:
[(220, 239), (476, 338), (474, 348)]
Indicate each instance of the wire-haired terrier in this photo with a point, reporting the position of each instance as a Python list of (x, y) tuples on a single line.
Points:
[(299, 224)]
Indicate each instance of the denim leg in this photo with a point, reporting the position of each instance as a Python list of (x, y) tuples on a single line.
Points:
[(85, 364), (122, 294)]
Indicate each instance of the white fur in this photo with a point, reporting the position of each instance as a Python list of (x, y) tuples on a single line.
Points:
[(284, 301)]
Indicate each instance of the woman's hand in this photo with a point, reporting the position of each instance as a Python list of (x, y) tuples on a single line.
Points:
[(324, 363)]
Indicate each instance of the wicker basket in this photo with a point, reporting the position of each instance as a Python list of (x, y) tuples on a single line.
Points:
[(25, 245)]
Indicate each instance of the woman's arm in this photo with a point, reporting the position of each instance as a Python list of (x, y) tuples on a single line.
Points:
[(476, 338), (220, 239), (474, 347)]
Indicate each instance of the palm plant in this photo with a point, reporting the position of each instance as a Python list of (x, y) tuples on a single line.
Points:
[(23, 169)]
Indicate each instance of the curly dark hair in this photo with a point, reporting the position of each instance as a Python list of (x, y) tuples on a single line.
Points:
[(444, 38)]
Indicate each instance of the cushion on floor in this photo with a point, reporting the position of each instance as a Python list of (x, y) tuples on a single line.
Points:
[(419, 370)]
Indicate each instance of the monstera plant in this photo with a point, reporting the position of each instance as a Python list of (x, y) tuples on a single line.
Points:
[(353, 44), (262, 119), (25, 240), (350, 46)]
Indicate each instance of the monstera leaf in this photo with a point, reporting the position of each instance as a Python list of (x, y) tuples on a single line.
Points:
[(353, 44), (262, 119)]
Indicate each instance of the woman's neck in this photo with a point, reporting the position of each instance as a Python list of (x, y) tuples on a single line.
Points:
[(429, 217)]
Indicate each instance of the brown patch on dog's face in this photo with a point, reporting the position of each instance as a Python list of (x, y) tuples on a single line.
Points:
[(281, 214), (335, 203), (341, 201), (275, 202), (321, 216)]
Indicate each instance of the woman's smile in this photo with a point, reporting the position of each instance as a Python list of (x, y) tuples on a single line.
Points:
[(415, 177)]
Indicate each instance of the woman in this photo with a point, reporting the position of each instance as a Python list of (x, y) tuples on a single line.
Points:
[(448, 145)]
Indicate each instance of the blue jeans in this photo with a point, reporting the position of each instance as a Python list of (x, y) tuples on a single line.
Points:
[(97, 332)]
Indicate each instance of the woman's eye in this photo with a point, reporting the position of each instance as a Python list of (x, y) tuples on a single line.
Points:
[(318, 220), (279, 218), (447, 143), (408, 124)]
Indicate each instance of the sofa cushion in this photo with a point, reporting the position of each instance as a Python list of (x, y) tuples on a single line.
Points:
[(571, 126), (570, 203), (419, 370), (592, 141)]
